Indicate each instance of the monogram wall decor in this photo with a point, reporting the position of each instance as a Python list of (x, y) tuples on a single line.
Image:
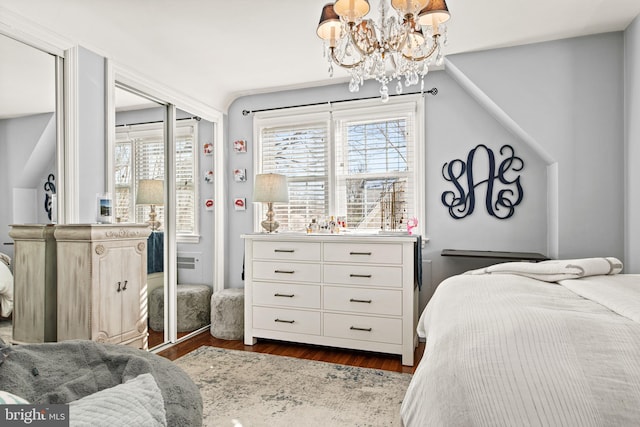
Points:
[(503, 191), (50, 190)]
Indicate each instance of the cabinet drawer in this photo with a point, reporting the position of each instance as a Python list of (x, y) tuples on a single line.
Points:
[(363, 275), (284, 320), (375, 253), (363, 328), (293, 251), (362, 300), (286, 271), (286, 294)]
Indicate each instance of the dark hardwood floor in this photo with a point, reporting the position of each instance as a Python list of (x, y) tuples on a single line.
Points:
[(303, 351)]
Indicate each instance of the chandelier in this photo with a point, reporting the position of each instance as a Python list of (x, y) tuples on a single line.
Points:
[(409, 38)]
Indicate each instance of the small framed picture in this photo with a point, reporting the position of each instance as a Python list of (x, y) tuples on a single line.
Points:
[(240, 175), (240, 204), (240, 146), (208, 204), (208, 177), (208, 149)]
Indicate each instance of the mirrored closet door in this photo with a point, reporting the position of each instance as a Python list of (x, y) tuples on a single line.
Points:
[(140, 190), (178, 165), (29, 134)]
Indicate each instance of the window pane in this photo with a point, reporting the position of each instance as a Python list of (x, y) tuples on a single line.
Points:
[(140, 155), (300, 153)]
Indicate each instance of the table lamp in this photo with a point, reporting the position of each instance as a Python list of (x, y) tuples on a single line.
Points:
[(151, 192), (270, 188)]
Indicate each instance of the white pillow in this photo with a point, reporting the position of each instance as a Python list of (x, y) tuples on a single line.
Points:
[(138, 402), (7, 398)]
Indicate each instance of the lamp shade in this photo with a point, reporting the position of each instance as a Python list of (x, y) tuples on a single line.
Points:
[(271, 187), (409, 6), (351, 9), (434, 14), (329, 27), (150, 192)]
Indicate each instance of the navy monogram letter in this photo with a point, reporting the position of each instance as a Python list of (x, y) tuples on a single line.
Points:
[(503, 189)]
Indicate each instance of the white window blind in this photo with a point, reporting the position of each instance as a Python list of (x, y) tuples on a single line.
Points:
[(363, 164), (300, 153), (139, 154)]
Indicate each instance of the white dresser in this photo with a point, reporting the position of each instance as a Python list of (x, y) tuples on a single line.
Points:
[(351, 291)]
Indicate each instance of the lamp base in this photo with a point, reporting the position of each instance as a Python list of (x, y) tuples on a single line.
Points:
[(270, 225), (153, 223)]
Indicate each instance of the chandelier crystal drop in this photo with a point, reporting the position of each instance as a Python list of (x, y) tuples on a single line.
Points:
[(407, 38)]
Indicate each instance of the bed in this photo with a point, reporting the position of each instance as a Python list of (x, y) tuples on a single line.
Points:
[(6, 286), (520, 344)]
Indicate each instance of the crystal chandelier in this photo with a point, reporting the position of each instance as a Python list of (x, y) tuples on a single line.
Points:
[(408, 40)]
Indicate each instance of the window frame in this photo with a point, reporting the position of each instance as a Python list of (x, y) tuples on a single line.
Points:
[(352, 111), (194, 236)]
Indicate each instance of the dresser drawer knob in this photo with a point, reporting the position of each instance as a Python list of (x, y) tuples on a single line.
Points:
[(355, 328), (284, 295), (286, 251), (359, 253), (284, 321), (366, 301), (366, 276), (284, 271)]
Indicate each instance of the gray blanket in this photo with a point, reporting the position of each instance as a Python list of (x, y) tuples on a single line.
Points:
[(66, 371)]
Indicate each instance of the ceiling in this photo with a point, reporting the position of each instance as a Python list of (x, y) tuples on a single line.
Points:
[(215, 50)]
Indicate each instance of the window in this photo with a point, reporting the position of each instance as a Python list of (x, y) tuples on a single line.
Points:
[(360, 161), (139, 154)]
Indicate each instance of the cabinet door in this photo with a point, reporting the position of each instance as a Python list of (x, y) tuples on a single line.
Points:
[(132, 294), (119, 287), (109, 290)]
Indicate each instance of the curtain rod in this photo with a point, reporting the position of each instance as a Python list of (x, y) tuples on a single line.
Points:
[(433, 91), (196, 118)]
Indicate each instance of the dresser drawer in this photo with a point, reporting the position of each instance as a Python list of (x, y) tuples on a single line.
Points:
[(286, 294), (375, 253), (285, 320), (363, 300), (286, 271), (365, 328), (293, 251), (363, 275)]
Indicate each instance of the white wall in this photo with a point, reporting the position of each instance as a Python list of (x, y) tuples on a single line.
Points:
[(568, 95), (568, 101), (632, 146), (91, 133)]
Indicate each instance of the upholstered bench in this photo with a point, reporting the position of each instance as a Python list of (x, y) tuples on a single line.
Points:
[(227, 314), (194, 308)]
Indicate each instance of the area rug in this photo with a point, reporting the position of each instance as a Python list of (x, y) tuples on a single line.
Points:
[(249, 389)]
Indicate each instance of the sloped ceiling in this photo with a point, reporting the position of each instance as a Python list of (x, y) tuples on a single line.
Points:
[(216, 51)]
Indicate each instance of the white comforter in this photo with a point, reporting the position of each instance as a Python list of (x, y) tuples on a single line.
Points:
[(508, 350)]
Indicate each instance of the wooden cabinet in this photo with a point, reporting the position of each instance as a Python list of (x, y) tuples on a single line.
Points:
[(102, 292), (34, 283), (352, 291)]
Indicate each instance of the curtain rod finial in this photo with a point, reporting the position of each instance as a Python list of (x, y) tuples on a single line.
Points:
[(246, 112)]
